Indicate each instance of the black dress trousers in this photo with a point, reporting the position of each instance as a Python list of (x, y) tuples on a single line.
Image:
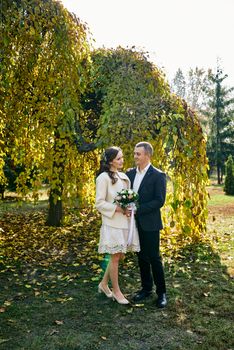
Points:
[(150, 262)]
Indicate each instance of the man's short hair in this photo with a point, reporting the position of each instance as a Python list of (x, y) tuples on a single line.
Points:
[(147, 147)]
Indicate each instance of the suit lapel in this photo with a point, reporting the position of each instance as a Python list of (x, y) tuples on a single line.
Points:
[(145, 178), (132, 176)]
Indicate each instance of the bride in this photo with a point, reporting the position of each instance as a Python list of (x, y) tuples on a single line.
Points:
[(114, 232)]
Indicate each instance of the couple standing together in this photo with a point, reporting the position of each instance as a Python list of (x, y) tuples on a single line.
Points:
[(150, 183)]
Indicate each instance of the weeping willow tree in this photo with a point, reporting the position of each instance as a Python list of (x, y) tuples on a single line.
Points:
[(44, 70), (61, 105), (133, 102)]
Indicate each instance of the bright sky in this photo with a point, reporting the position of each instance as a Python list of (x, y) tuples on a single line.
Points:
[(176, 33)]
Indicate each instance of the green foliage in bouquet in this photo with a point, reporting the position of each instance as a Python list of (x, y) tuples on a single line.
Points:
[(126, 197)]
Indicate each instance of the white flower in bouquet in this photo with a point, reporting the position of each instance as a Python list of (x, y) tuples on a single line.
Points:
[(126, 198)]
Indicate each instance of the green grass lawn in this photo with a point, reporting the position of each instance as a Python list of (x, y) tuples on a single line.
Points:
[(53, 304), (218, 197)]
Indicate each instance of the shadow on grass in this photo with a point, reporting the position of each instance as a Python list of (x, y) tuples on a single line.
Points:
[(58, 307), (201, 292)]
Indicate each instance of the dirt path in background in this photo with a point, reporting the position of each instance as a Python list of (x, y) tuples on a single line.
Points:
[(226, 209)]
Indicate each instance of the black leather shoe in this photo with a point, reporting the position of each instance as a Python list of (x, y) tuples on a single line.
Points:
[(141, 295), (162, 301)]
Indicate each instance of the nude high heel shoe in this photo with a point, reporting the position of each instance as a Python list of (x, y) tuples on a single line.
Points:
[(106, 291), (122, 301)]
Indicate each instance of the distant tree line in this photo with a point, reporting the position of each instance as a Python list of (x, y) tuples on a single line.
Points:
[(205, 92)]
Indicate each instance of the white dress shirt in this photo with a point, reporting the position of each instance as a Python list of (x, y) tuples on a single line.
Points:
[(139, 177)]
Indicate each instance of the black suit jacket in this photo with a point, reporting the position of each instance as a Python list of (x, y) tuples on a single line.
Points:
[(152, 194)]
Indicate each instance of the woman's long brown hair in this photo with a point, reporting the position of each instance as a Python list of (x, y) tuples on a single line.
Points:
[(107, 157)]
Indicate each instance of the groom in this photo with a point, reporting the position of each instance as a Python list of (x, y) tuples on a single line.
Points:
[(150, 183)]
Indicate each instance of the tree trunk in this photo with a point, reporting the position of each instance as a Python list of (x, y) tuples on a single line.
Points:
[(221, 178), (219, 175), (2, 189), (55, 213)]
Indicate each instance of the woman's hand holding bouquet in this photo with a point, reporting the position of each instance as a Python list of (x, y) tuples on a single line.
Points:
[(127, 200)]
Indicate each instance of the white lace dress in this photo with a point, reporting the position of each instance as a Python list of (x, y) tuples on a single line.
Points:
[(117, 240)]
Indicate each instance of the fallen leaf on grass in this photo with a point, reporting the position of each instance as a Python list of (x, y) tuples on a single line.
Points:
[(63, 300), (94, 278), (3, 340), (54, 331), (129, 311), (59, 323), (139, 305), (212, 312), (7, 303), (95, 266)]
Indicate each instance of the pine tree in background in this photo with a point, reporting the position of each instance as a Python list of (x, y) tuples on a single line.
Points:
[(221, 125), (229, 179), (204, 91)]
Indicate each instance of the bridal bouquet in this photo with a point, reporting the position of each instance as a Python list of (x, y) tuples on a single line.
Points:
[(126, 198)]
